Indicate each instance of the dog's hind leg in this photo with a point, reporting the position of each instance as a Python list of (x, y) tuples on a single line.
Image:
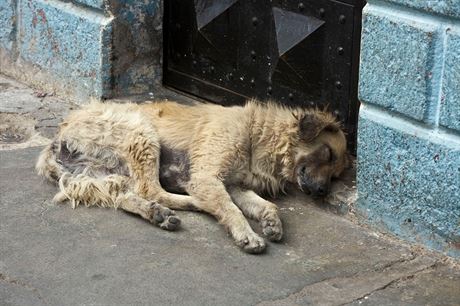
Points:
[(144, 161), (255, 207), (151, 211), (113, 191), (47, 165)]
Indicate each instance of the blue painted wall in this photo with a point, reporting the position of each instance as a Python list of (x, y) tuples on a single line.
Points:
[(100, 48), (7, 24), (409, 122)]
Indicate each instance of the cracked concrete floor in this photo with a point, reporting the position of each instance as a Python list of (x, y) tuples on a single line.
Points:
[(53, 255)]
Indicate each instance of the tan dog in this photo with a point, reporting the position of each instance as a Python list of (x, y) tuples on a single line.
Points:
[(219, 158)]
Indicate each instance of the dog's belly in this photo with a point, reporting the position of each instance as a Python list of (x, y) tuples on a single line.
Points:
[(174, 169)]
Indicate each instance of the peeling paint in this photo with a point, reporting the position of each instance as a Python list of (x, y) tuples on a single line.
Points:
[(101, 48)]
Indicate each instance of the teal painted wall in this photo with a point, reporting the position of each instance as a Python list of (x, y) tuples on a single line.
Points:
[(409, 123), (82, 48)]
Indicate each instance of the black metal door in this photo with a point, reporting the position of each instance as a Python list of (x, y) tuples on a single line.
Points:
[(297, 52)]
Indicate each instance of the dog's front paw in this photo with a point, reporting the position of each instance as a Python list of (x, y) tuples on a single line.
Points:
[(251, 243), (272, 228), (164, 217)]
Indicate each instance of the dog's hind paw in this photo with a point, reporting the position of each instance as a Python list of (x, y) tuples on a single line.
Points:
[(164, 217), (272, 228), (252, 244)]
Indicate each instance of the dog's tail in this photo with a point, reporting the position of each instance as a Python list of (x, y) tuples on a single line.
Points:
[(83, 189), (76, 185), (47, 164)]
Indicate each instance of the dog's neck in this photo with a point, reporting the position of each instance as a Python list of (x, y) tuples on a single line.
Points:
[(272, 131)]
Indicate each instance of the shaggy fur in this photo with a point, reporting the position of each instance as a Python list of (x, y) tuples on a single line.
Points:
[(215, 159)]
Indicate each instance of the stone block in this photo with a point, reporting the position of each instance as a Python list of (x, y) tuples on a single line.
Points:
[(450, 95), (396, 64), (97, 4), (69, 43), (7, 23), (408, 179), (137, 45), (442, 7), (81, 48)]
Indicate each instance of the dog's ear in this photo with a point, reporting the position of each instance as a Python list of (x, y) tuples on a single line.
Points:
[(312, 124)]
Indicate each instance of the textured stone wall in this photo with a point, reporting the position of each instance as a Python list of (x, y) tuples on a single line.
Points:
[(82, 48), (409, 122)]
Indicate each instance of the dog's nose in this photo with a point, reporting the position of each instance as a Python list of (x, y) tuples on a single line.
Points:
[(321, 191)]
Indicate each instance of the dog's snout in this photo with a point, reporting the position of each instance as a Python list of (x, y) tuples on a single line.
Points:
[(315, 190), (321, 191)]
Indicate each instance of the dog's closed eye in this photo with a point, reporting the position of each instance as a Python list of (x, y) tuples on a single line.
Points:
[(325, 153)]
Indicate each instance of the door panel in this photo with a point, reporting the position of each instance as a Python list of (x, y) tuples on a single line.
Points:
[(299, 53)]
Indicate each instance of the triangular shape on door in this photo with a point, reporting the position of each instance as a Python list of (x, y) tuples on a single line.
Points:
[(207, 10), (291, 28)]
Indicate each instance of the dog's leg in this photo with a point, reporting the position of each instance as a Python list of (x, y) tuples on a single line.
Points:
[(255, 207), (213, 198), (47, 165), (151, 211), (113, 191), (144, 161)]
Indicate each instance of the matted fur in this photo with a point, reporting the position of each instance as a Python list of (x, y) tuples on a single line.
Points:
[(221, 158)]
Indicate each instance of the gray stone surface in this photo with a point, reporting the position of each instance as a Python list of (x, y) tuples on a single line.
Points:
[(431, 286), (54, 255), (43, 110)]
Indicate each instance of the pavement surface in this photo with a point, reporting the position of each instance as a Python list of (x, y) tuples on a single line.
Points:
[(55, 255)]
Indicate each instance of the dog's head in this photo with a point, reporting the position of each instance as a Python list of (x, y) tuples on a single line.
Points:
[(320, 154)]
